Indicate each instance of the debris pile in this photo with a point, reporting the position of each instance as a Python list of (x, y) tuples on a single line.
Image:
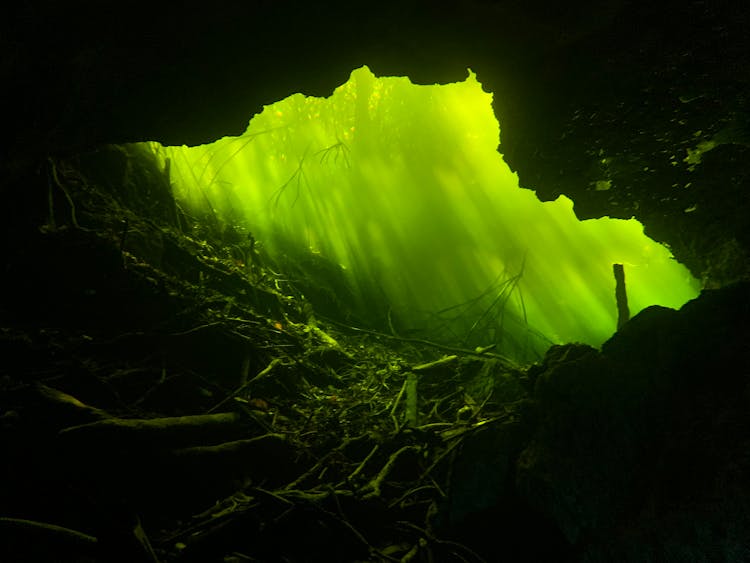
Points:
[(175, 398)]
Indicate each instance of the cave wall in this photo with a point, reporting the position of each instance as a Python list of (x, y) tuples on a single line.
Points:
[(629, 108)]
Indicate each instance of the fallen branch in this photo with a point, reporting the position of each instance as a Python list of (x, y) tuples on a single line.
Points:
[(372, 489), (171, 432), (483, 353)]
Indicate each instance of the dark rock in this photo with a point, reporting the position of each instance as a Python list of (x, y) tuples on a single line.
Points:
[(646, 433)]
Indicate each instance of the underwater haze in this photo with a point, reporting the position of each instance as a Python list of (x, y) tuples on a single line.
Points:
[(402, 185)]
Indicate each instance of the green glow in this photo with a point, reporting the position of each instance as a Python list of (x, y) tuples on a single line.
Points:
[(402, 184)]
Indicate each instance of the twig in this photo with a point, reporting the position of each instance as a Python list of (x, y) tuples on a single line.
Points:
[(373, 487), (430, 536), (454, 349), (314, 469), (54, 529), (196, 329), (434, 464), (396, 402), (411, 492), (73, 218), (362, 464), (242, 387)]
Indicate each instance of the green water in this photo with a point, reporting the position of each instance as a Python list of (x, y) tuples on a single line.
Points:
[(402, 185)]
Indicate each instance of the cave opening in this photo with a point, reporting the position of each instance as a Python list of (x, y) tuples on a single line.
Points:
[(389, 206)]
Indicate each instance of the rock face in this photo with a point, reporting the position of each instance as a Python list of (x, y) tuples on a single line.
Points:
[(629, 108), (639, 447)]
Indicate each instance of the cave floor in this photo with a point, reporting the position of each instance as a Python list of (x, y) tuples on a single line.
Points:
[(168, 397)]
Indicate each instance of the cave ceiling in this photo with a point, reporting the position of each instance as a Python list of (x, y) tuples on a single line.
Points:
[(630, 108)]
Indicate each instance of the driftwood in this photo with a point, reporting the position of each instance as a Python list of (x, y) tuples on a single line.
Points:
[(171, 432), (67, 408)]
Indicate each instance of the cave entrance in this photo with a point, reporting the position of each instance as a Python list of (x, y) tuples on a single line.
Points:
[(388, 205)]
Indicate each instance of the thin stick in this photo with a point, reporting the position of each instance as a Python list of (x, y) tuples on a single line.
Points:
[(621, 295), (242, 387)]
